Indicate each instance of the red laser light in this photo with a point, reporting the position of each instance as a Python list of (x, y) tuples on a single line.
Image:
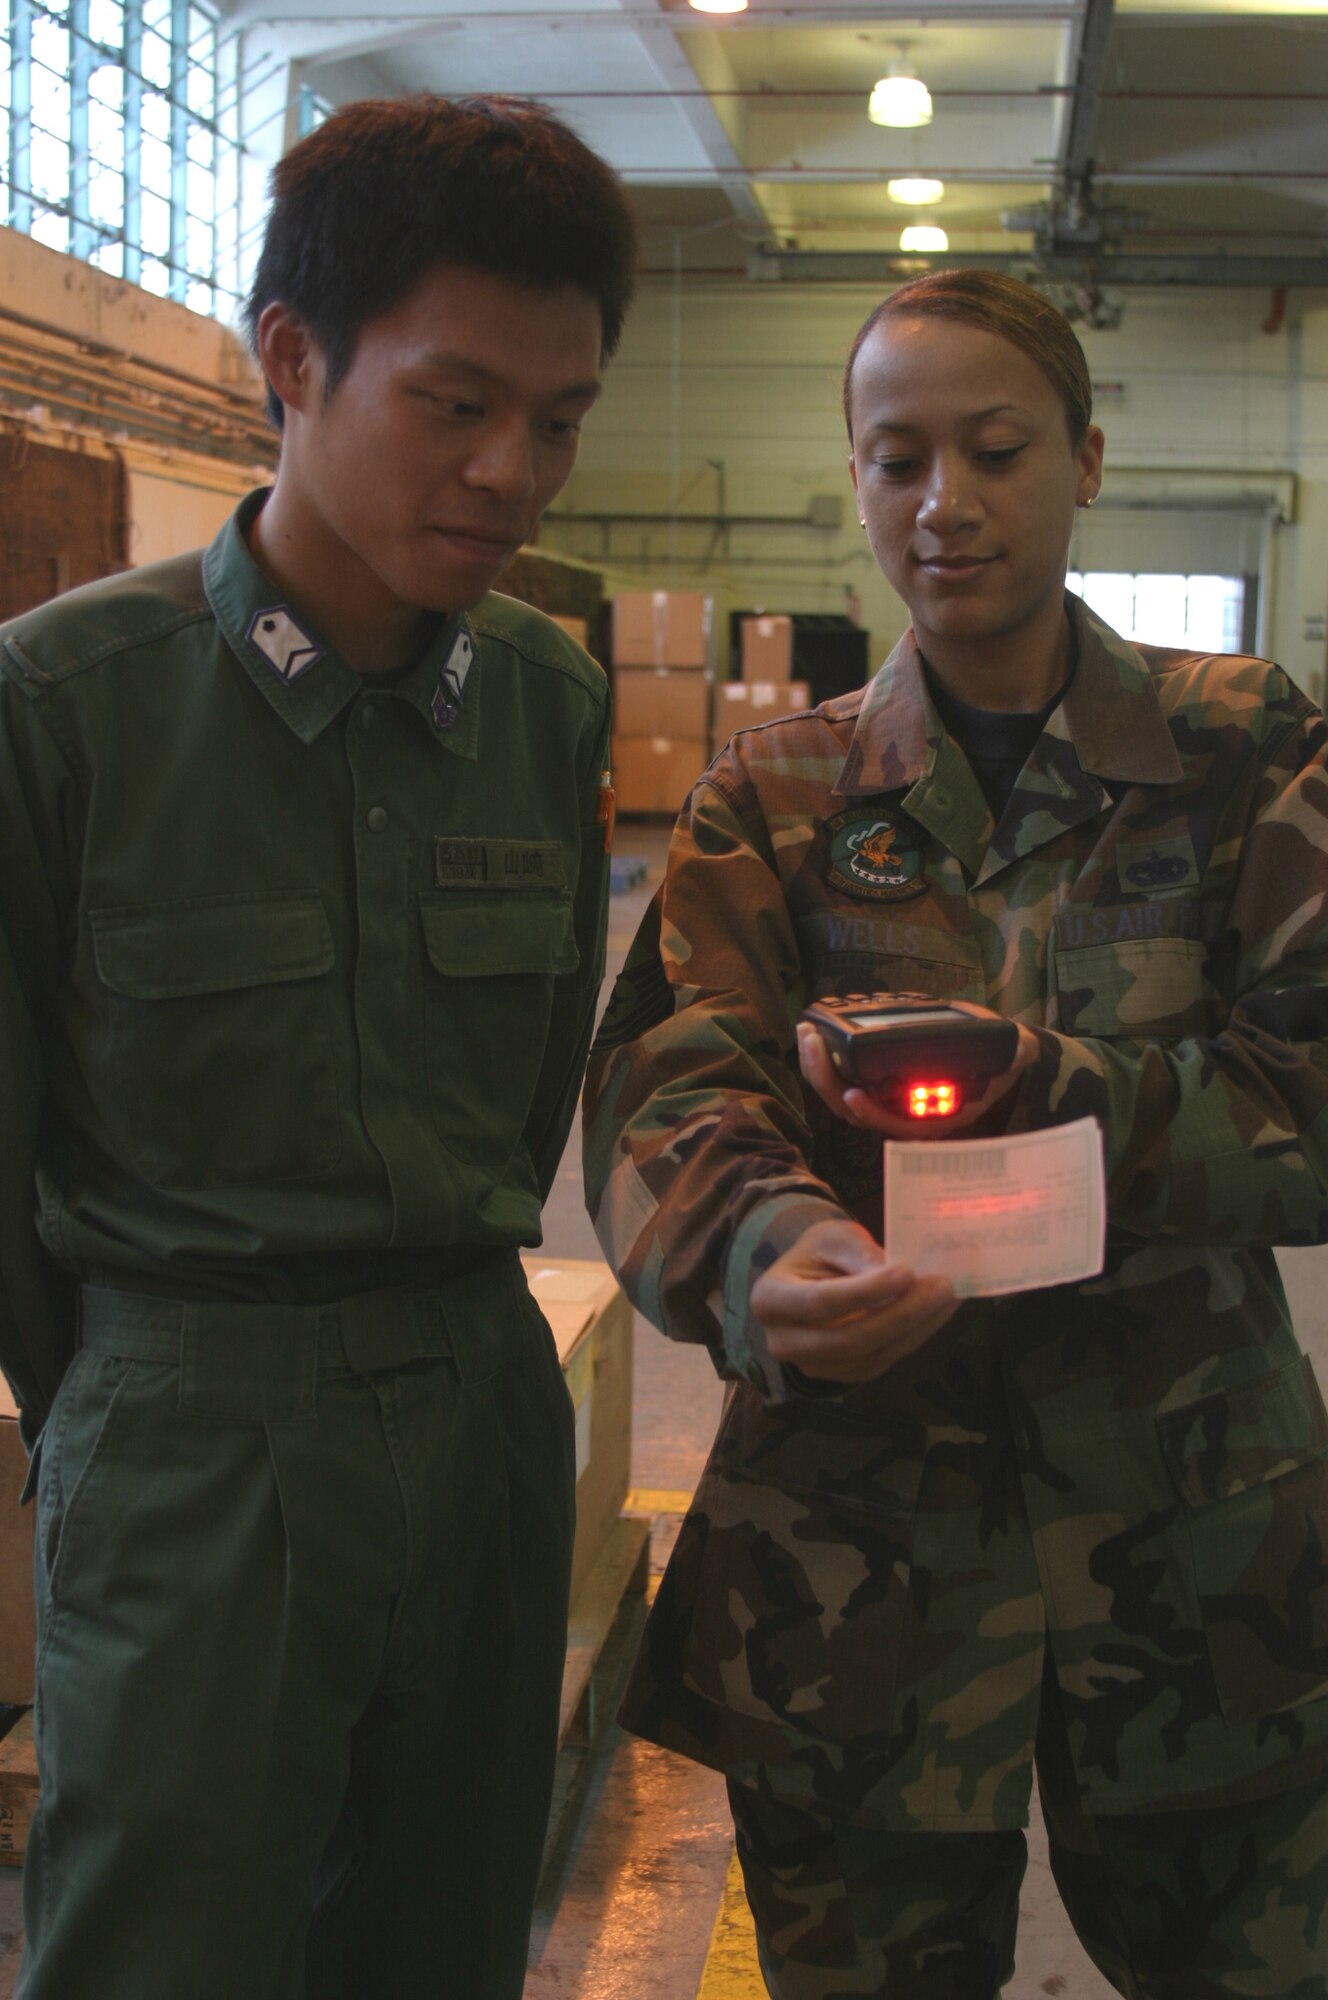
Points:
[(933, 1100)]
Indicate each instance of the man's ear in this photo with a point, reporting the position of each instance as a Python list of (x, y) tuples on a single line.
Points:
[(289, 356)]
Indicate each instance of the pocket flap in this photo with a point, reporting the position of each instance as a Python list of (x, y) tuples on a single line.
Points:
[(1236, 1438), (477, 933), (1153, 985), (217, 944)]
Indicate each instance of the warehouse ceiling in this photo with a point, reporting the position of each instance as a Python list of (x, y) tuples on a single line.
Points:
[(1100, 145)]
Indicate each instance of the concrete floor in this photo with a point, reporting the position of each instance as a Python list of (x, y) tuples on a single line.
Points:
[(645, 1879)]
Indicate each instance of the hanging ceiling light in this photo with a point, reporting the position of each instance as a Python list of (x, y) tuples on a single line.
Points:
[(915, 193), (922, 236), (720, 6), (901, 98)]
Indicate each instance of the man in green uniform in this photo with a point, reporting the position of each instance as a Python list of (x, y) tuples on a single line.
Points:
[(1087, 1523), (302, 911)]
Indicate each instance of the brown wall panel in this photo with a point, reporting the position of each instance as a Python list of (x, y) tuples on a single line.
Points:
[(63, 520)]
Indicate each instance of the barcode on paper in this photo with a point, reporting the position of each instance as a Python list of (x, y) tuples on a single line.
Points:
[(964, 1166)]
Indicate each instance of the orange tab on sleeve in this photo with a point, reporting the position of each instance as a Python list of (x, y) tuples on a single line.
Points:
[(606, 809)]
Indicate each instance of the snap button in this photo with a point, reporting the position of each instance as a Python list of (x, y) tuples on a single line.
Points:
[(367, 713), (376, 818)]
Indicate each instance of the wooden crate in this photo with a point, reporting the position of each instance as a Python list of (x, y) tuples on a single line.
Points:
[(592, 1325), (18, 1790)]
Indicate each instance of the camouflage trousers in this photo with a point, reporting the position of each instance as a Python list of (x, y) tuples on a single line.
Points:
[(1168, 1905)]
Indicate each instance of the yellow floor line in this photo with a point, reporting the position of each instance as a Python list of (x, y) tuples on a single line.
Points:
[(656, 1500), (731, 1970)]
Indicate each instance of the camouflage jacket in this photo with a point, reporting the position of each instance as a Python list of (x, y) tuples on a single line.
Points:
[(1131, 1472)]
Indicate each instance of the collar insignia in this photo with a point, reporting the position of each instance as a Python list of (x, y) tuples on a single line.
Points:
[(875, 853), (283, 642), (446, 704)]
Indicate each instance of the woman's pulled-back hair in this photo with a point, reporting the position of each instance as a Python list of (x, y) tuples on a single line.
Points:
[(1005, 306), (386, 189)]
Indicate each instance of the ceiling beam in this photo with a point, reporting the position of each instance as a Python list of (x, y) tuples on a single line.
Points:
[(667, 56), (1076, 155), (665, 21)]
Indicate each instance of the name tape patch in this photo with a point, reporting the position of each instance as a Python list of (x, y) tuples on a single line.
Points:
[(498, 864), (1122, 923)]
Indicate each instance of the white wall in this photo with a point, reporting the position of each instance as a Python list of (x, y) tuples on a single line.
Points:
[(1195, 399), (62, 291), (177, 507)]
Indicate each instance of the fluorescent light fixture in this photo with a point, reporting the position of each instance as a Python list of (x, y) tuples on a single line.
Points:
[(915, 193), (921, 236), (899, 100), (720, 6)]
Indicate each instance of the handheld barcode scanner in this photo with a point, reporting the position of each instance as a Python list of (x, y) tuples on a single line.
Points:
[(918, 1056)]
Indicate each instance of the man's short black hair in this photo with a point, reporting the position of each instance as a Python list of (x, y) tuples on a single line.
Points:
[(385, 189)]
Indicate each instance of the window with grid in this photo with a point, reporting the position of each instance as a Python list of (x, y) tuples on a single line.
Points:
[(1202, 613), (118, 140)]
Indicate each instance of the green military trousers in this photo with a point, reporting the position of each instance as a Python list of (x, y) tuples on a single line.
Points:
[(302, 1585)]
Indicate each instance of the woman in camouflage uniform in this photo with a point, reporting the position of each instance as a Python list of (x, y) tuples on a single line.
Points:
[(1084, 1527)]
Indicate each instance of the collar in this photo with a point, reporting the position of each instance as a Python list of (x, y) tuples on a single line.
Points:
[(1110, 726), (1111, 715), (301, 676)]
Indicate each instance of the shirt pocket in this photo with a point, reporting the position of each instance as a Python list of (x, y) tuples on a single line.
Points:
[(221, 1042), (491, 961), (1250, 1465), (1143, 989)]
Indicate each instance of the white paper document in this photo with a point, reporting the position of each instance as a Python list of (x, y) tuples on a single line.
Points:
[(999, 1215)]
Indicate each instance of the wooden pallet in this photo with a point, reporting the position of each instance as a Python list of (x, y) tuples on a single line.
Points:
[(620, 1572), (18, 1790), (606, 1623)]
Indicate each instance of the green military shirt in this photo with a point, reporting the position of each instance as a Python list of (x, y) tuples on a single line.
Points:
[(297, 969), (1131, 1473)]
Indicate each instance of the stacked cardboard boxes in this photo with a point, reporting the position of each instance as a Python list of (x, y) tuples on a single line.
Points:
[(661, 696), (767, 649), (740, 704), (575, 628)]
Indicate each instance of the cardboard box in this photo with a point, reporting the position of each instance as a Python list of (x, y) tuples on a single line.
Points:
[(661, 628), (18, 1622), (575, 628), (653, 774), (767, 649), (661, 701), (592, 1324), (738, 704)]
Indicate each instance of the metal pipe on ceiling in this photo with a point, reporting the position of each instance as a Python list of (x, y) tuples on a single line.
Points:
[(1109, 268)]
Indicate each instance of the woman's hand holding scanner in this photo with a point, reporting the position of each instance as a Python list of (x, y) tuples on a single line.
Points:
[(908, 1066), (835, 1309)]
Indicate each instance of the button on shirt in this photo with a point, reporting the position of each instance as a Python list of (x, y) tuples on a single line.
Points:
[(297, 972)]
